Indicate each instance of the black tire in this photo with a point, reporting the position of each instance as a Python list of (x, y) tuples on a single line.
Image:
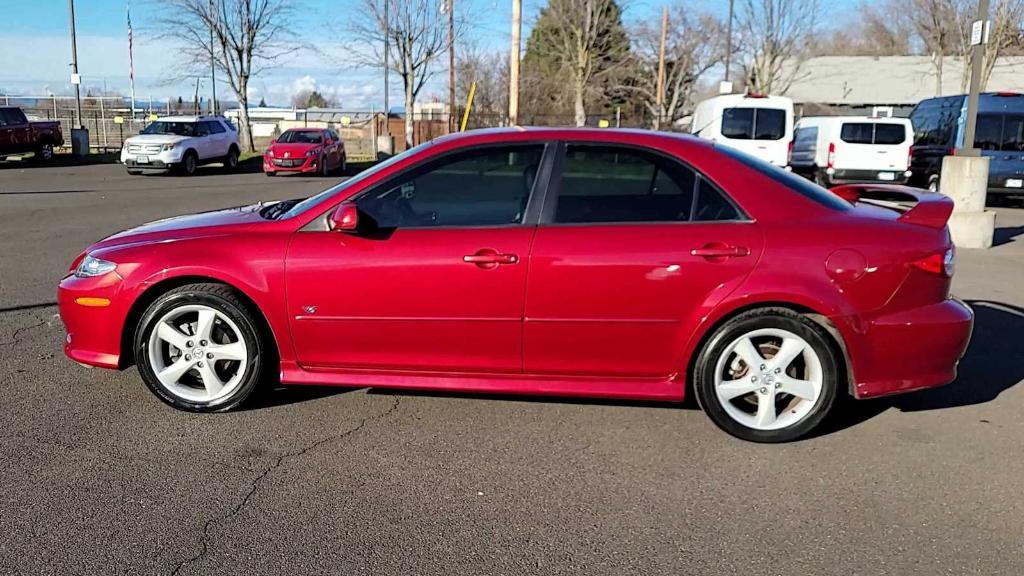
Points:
[(325, 170), (821, 179), (343, 168), (933, 183), (821, 343), (222, 299), (43, 153), (231, 160), (271, 173), (189, 163)]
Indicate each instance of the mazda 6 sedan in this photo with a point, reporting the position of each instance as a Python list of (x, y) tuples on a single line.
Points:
[(567, 262)]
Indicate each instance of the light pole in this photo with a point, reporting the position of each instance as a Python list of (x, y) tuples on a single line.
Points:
[(979, 37), (451, 67), (213, 67), (728, 42), (513, 63), (75, 78)]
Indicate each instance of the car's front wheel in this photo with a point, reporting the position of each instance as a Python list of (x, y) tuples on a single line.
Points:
[(189, 163), (768, 375), (198, 348)]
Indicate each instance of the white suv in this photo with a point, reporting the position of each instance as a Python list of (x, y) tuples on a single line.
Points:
[(183, 143)]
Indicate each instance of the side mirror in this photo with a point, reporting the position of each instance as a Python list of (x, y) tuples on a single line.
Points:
[(328, 142), (345, 218), (274, 141)]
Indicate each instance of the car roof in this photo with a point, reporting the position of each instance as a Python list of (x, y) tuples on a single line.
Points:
[(610, 135), (838, 119), (188, 118)]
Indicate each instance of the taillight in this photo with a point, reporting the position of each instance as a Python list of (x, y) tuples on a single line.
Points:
[(789, 153), (939, 263), (910, 157), (831, 155)]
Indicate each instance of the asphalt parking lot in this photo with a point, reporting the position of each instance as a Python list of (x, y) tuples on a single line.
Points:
[(98, 476)]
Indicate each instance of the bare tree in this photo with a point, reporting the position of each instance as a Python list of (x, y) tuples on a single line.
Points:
[(489, 70), (588, 44), (774, 36), (248, 37), (878, 29), (417, 36), (1006, 37), (693, 45)]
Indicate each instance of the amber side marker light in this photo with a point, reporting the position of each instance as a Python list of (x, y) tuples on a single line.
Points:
[(92, 302)]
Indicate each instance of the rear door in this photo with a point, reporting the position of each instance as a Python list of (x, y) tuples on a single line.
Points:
[(435, 279), (874, 146), (758, 131), (631, 243)]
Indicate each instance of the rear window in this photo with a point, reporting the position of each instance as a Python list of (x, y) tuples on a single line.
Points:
[(798, 184), (754, 123), (1000, 132), (872, 133)]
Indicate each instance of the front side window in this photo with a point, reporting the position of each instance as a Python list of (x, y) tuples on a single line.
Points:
[(486, 187), (606, 184)]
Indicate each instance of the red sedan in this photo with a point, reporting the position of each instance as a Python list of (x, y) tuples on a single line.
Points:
[(573, 262), (310, 150)]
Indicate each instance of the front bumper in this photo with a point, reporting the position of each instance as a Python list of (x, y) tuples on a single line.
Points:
[(911, 350), (163, 160), (93, 330), (304, 164)]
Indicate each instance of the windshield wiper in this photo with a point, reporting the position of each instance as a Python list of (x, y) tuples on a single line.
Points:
[(274, 211)]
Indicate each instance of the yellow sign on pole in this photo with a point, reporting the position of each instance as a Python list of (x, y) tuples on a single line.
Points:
[(152, 116), (602, 123), (118, 119), (345, 120), (469, 106)]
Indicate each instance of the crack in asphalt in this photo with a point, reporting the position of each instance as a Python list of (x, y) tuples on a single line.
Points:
[(254, 485), (15, 336)]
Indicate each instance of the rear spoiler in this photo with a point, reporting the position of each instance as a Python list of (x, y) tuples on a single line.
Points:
[(929, 209)]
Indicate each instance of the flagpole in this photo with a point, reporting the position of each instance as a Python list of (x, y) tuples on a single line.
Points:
[(131, 61)]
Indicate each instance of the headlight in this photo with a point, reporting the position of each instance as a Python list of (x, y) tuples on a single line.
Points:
[(167, 147), (90, 267), (312, 152)]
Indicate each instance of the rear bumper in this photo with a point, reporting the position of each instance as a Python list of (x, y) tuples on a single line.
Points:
[(870, 176), (912, 349)]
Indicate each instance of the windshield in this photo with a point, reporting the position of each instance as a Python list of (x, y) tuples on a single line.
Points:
[(312, 201), (175, 128), (300, 137)]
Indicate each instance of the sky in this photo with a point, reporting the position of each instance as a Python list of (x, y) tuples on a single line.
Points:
[(36, 48)]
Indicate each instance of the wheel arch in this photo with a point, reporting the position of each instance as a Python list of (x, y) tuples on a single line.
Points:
[(150, 295), (813, 313)]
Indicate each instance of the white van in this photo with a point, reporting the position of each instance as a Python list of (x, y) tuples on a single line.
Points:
[(840, 149), (761, 126)]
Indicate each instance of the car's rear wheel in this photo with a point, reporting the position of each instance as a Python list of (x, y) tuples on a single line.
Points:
[(199, 349), (768, 375), (231, 160), (44, 152), (933, 183)]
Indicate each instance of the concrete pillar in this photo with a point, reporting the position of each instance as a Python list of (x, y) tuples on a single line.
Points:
[(965, 180)]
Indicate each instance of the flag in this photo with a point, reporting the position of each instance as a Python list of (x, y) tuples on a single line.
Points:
[(131, 63)]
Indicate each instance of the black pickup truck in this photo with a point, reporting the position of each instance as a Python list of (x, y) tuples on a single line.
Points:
[(19, 136)]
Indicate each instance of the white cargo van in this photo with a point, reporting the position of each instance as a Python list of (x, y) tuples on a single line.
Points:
[(840, 149), (761, 126)]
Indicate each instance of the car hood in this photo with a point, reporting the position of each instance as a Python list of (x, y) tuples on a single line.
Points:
[(291, 150), (155, 139), (188, 226)]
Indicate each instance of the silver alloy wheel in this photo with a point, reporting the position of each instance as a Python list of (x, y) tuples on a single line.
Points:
[(768, 379), (198, 353)]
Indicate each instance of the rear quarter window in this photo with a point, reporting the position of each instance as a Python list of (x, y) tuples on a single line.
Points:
[(798, 184)]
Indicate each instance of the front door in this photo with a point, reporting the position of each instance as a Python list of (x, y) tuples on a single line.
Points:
[(634, 245), (434, 280)]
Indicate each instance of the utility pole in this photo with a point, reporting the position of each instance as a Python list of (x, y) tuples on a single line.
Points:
[(75, 78), (213, 66), (979, 37), (728, 42), (451, 67), (513, 63), (387, 72), (659, 97)]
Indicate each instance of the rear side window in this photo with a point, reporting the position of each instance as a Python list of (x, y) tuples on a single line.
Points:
[(798, 184), (606, 184), (872, 133), (754, 123), (997, 132), (214, 127)]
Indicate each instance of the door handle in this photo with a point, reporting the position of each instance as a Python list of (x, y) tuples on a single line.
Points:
[(719, 251), (488, 258)]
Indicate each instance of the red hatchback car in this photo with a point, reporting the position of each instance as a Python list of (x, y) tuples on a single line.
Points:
[(574, 262), (309, 150)]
